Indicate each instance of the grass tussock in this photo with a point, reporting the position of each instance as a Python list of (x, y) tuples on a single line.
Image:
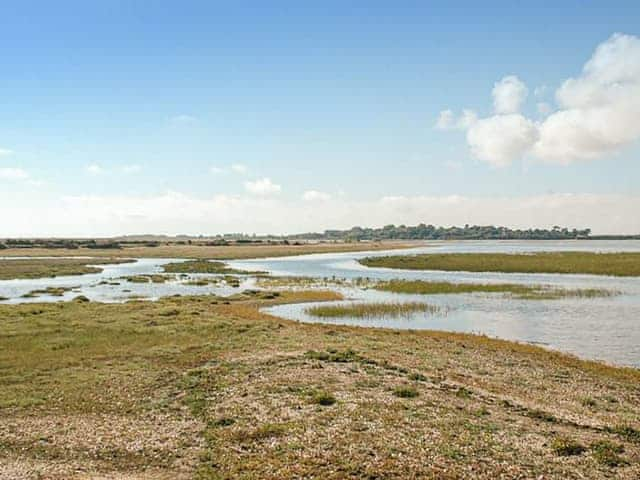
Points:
[(523, 292), (619, 264), (371, 310)]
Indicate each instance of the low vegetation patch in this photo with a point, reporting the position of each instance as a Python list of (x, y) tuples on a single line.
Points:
[(524, 292), (567, 447), (405, 392), (371, 310), (619, 264), (608, 453), (53, 267), (205, 266), (323, 398)]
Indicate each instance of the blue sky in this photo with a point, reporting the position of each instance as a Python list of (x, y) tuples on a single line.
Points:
[(113, 100)]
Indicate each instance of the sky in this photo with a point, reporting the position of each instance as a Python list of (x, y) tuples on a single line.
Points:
[(200, 117)]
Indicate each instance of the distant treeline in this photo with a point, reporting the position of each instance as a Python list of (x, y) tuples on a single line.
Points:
[(355, 234), (431, 232)]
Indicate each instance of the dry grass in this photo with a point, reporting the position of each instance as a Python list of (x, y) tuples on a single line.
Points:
[(619, 264), (206, 252), (51, 267), (208, 388)]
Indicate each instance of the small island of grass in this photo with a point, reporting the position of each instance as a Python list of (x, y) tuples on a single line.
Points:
[(522, 292), (625, 264), (205, 266), (370, 310)]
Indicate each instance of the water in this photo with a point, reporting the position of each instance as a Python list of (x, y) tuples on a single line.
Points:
[(605, 328), (92, 286)]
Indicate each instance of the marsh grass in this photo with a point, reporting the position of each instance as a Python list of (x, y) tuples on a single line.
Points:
[(523, 292), (51, 291), (53, 267), (371, 310), (618, 264), (205, 266)]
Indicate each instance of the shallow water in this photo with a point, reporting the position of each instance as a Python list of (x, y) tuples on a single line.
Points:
[(90, 285), (605, 328)]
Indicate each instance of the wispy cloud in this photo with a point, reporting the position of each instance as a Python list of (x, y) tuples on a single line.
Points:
[(262, 187), (94, 169), (315, 196), (9, 173), (174, 212), (239, 168), (5, 152)]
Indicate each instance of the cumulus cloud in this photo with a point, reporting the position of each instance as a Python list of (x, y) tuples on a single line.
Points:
[(94, 169), (600, 109), (239, 168), (508, 95), (501, 138), (43, 214), (315, 195), (598, 112), (9, 173), (5, 152), (262, 186)]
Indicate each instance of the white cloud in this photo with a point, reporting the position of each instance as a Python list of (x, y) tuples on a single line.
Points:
[(315, 195), (239, 169), (216, 170), (447, 120), (600, 109), (5, 152), (599, 112), (41, 214), (263, 187), (130, 169), (9, 173), (501, 138), (508, 95), (94, 169)]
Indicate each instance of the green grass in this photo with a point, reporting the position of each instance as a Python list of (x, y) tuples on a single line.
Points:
[(405, 392), (526, 292), (370, 310), (618, 264), (204, 266), (567, 447), (210, 387)]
